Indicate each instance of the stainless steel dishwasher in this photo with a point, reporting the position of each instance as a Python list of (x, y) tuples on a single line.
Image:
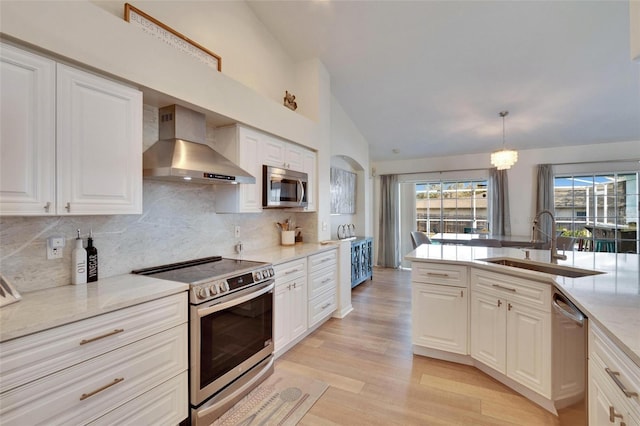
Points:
[(569, 328)]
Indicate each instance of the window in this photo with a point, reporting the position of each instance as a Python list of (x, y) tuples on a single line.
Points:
[(451, 206), (601, 210)]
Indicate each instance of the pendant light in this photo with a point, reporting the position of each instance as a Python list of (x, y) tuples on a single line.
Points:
[(505, 158)]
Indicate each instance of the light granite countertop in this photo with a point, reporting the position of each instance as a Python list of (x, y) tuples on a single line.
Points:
[(611, 300), (43, 309), (281, 254)]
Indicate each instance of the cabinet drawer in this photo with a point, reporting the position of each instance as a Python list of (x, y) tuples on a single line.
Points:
[(530, 293), (28, 358), (85, 392), (613, 363), (321, 281), (321, 260), (321, 307), (438, 273), (166, 404), (289, 270)]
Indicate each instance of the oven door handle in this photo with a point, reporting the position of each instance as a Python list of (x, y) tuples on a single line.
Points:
[(237, 301)]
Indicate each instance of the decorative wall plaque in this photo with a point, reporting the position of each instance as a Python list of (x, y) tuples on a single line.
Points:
[(170, 36)]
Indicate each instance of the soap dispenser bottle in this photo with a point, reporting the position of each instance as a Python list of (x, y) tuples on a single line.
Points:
[(78, 263), (92, 260)]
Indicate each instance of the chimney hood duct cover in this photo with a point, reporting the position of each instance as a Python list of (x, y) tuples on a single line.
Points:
[(181, 154)]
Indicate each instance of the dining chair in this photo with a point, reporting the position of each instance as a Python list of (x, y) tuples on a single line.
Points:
[(418, 238)]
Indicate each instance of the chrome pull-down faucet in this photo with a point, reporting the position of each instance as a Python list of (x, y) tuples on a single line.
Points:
[(554, 240)]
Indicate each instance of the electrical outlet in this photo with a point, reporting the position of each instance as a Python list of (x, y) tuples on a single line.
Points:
[(237, 231), (54, 247)]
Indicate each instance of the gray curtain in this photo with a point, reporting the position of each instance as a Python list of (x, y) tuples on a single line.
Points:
[(544, 201), (499, 218), (388, 253)]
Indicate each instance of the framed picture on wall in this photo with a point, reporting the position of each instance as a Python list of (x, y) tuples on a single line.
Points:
[(343, 191)]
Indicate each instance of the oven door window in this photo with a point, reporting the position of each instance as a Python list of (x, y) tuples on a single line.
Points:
[(231, 336)]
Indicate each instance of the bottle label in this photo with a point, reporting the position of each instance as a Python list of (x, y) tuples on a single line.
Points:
[(92, 274)]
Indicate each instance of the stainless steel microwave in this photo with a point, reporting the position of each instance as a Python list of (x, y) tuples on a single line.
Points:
[(283, 188)]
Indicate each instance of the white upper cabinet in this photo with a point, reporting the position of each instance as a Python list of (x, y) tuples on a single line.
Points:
[(276, 152), (310, 167), (71, 141), (99, 145), (242, 146), (27, 133)]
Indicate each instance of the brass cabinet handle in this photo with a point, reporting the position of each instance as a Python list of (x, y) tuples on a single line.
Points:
[(326, 259), (509, 306), (292, 271), (87, 395), (326, 280), (68, 207), (499, 303), (461, 293), (47, 206), (437, 274), (501, 287), (614, 376), (613, 415), (325, 306), (93, 339)]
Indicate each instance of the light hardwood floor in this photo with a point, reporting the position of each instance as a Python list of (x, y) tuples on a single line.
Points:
[(375, 379)]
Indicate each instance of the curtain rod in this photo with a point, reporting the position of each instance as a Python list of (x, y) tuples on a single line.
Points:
[(433, 171), (632, 160)]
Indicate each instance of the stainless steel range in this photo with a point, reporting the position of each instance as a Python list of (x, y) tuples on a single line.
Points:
[(231, 329)]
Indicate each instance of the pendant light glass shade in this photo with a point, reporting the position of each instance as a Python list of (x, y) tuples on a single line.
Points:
[(505, 158)]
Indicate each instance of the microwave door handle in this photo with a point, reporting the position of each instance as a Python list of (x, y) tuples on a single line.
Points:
[(301, 191)]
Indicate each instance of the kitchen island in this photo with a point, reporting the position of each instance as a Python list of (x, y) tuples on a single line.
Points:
[(474, 305), (612, 299)]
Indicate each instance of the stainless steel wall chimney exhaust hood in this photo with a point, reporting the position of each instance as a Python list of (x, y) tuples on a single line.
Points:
[(182, 155)]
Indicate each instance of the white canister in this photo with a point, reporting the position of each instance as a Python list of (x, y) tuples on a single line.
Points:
[(288, 238)]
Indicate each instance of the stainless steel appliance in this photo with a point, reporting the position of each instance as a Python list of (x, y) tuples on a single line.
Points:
[(569, 333), (231, 329), (283, 188), (182, 153)]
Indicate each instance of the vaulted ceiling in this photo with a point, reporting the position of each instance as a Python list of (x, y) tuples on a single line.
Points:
[(428, 78)]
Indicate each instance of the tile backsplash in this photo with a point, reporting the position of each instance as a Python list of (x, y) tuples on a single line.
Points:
[(178, 223)]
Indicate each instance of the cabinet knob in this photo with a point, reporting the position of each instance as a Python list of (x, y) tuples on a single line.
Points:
[(47, 206)]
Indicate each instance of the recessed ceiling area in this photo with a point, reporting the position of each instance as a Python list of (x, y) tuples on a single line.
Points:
[(428, 78)]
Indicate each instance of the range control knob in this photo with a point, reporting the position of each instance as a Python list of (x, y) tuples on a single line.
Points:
[(259, 275), (201, 293), (213, 289), (224, 286)]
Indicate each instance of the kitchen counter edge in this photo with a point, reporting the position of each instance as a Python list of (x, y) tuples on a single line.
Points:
[(48, 308)]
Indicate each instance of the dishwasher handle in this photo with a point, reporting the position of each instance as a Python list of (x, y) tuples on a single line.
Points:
[(564, 306)]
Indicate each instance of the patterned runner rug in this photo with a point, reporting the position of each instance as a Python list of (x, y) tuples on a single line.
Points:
[(282, 400)]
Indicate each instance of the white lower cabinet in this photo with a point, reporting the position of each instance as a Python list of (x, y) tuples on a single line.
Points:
[(439, 308), (323, 278), (511, 328), (305, 296), (118, 366), (614, 383), (290, 305)]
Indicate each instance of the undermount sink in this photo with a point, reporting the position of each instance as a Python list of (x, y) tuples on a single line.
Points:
[(548, 268)]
